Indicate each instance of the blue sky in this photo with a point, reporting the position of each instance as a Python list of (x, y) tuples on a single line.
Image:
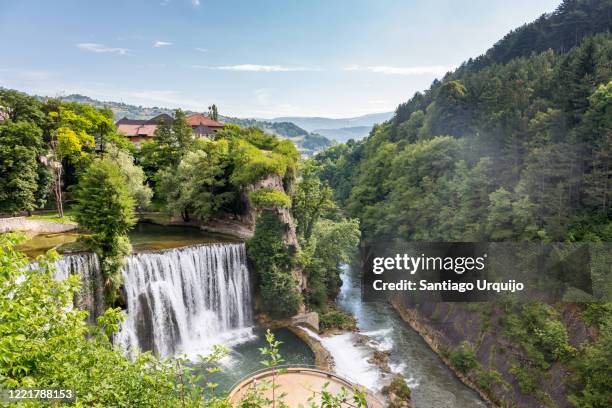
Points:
[(333, 58)]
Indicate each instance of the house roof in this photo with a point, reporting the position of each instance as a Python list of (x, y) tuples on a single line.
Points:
[(201, 119)]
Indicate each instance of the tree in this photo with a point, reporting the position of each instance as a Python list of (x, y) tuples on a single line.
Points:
[(332, 244), (213, 113), (198, 186), (170, 143), (133, 174), (310, 200), (273, 264), (20, 144), (106, 208), (21, 107)]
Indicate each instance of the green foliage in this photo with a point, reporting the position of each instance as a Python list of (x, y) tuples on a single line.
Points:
[(20, 145), (336, 319), (273, 264), (267, 198), (311, 199), (307, 143), (528, 379), (106, 208), (463, 357), (486, 379), (198, 185), (21, 107), (133, 175), (104, 204), (529, 159), (536, 328), (332, 244), (399, 391), (593, 369), (252, 163), (171, 142)]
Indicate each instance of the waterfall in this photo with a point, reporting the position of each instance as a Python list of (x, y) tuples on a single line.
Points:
[(186, 299), (91, 295)]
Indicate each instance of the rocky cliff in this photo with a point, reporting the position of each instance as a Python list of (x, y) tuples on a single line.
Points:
[(250, 214), (502, 366)]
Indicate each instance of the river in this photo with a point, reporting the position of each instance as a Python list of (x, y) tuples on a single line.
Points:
[(433, 384)]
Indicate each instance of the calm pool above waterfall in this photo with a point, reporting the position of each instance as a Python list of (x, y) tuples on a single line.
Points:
[(144, 237)]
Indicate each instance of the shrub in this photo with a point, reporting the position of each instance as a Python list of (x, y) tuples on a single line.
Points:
[(336, 319), (397, 391), (267, 198), (463, 357)]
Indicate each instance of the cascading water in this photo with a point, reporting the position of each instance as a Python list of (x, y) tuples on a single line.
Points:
[(91, 295), (186, 299)]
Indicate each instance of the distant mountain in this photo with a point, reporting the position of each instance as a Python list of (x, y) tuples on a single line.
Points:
[(344, 134), (313, 123), (121, 109), (307, 143)]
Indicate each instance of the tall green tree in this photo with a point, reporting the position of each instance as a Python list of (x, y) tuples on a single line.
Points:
[(20, 145), (310, 200), (106, 208), (198, 187)]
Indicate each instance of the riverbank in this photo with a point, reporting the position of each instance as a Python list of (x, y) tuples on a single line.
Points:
[(432, 339), (389, 344), (223, 225), (34, 225)]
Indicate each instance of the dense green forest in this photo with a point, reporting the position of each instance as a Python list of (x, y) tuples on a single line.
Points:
[(515, 145)]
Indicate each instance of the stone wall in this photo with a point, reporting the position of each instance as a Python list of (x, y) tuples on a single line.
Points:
[(35, 226)]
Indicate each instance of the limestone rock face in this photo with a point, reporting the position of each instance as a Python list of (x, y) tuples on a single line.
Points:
[(273, 182), (249, 217)]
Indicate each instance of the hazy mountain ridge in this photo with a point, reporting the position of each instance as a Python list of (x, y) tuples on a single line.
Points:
[(346, 133), (313, 123)]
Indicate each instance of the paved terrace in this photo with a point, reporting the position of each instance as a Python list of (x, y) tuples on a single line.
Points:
[(300, 384)]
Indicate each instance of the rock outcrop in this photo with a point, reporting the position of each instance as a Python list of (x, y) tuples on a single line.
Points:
[(249, 217)]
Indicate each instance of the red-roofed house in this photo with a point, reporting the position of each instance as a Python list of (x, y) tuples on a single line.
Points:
[(141, 130)]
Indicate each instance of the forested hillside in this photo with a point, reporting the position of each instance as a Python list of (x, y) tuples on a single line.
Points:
[(515, 145)]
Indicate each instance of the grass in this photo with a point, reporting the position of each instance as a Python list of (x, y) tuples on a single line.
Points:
[(68, 217)]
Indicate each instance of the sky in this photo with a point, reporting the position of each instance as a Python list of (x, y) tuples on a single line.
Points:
[(252, 58)]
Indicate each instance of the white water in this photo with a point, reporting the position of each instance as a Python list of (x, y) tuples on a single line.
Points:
[(350, 359), (91, 295), (433, 385), (185, 300)]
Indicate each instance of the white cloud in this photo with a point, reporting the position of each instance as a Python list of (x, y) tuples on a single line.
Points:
[(256, 68), (388, 70), (201, 49), (159, 44), (195, 3), (100, 48)]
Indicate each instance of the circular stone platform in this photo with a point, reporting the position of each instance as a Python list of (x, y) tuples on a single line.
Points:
[(300, 384)]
